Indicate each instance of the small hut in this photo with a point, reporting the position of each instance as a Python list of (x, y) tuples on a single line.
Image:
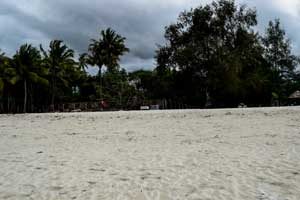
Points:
[(294, 99)]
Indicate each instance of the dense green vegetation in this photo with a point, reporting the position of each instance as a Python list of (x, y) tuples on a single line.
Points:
[(213, 57)]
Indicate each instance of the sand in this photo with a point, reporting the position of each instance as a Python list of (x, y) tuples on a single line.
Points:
[(242, 154)]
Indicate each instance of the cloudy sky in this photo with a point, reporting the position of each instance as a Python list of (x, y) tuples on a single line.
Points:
[(142, 22)]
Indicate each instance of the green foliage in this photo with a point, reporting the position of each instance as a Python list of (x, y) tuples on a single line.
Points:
[(278, 55), (116, 89), (212, 57), (27, 62), (106, 51), (59, 61), (218, 54)]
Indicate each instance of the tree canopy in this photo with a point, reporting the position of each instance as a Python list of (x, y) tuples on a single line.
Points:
[(219, 57)]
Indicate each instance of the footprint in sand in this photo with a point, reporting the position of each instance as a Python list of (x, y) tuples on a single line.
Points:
[(55, 188)]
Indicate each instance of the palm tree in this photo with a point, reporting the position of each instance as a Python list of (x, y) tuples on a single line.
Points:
[(57, 59), (2, 68), (7, 72), (27, 66), (106, 51), (7, 78), (83, 62)]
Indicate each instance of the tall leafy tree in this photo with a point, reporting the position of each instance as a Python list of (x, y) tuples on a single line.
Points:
[(106, 51), (210, 49), (278, 53), (58, 59)]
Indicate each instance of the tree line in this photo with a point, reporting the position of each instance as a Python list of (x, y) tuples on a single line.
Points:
[(213, 56)]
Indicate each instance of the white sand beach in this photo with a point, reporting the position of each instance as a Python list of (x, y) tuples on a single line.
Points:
[(240, 154)]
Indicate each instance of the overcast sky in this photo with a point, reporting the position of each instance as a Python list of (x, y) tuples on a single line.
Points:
[(142, 22)]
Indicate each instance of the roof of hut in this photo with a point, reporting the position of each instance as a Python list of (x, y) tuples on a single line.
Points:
[(295, 95)]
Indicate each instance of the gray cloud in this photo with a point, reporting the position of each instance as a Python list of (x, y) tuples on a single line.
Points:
[(142, 22)]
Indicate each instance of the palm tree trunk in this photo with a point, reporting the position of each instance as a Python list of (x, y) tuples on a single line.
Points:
[(53, 87), (120, 96), (8, 103), (100, 83), (52, 98), (31, 98), (208, 99), (25, 96)]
